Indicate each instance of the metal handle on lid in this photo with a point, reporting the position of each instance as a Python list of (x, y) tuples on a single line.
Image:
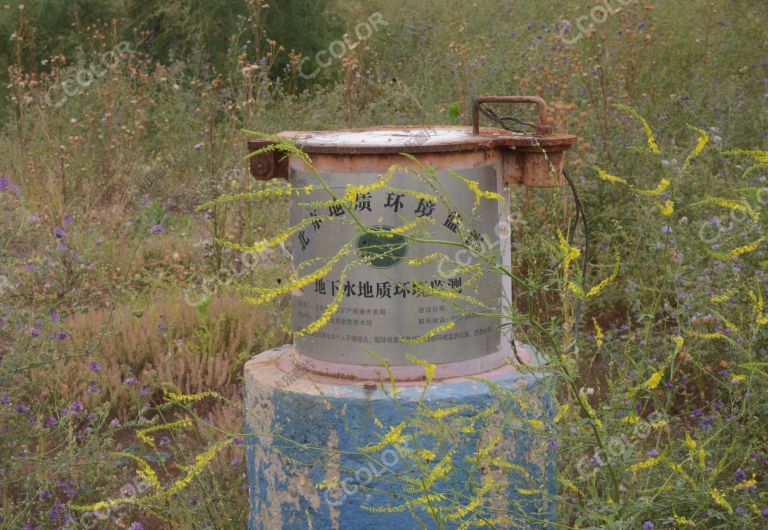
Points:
[(542, 128)]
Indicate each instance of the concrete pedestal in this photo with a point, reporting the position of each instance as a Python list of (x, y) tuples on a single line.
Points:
[(306, 429)]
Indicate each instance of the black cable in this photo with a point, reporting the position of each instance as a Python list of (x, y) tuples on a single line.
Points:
[(579, 213), (501, 121)]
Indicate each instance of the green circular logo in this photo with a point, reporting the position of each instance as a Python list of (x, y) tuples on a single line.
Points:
[(382, 250)]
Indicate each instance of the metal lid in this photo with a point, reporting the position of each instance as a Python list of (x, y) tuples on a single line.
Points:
[(418, 139)]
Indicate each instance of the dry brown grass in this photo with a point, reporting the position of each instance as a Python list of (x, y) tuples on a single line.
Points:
[(169, 341)]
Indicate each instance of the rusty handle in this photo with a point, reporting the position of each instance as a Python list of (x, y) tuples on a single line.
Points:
[(542, 128)]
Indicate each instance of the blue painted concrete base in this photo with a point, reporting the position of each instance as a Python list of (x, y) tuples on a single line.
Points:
[(307, 430)]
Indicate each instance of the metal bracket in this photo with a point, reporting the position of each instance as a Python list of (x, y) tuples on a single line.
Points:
[(267, 165)]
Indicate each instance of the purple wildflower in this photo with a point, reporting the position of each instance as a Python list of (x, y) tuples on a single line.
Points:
[(94, 367), (55, 316), (77, 406), (648, 525), (59, 233), (157, 229), (5, 399), (162, 328), (50, 422), (68, 221), (740, 475), (136, 526), (597, 461), (92, 387), (35, 332), (99, 241), (130, 380), (57, 511), (22, 408), (652, 453), (764, 513), (666, 229), (45, 494), (5, 183), (68, 486)]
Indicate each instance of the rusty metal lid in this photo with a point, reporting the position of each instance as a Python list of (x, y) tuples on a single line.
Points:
[(420, 139)]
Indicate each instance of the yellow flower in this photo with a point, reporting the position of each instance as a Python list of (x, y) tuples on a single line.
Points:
[(739, 251), (598, 334), (652, 382), (720, 500), (562, 412), (178, 397), (429, 334), (666, 209), (594, 291), (631, 419), (267, 295), (724, 297), (479, 194), (700, 145), (732, 205), (757, 300), (522, 491), (712, 336), (658, 190), (141, 434), (568, 252), (393, 437), (751, 483), (682, 521), (536, 424), (646, 464), (652, 145), (426, 455), (443, 413), (440, 470), (604, 175), (145, 471), (429, 368)]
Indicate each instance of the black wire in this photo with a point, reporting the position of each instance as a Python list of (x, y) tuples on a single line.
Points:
[(501, 121), (585, 264)]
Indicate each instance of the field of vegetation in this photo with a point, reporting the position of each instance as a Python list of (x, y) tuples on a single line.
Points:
[(123, 328)]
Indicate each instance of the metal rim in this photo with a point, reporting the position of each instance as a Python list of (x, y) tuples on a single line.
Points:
[(405, 373), (487, 139)]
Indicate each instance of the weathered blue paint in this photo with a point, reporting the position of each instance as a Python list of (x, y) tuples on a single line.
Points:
[(304, 432)]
